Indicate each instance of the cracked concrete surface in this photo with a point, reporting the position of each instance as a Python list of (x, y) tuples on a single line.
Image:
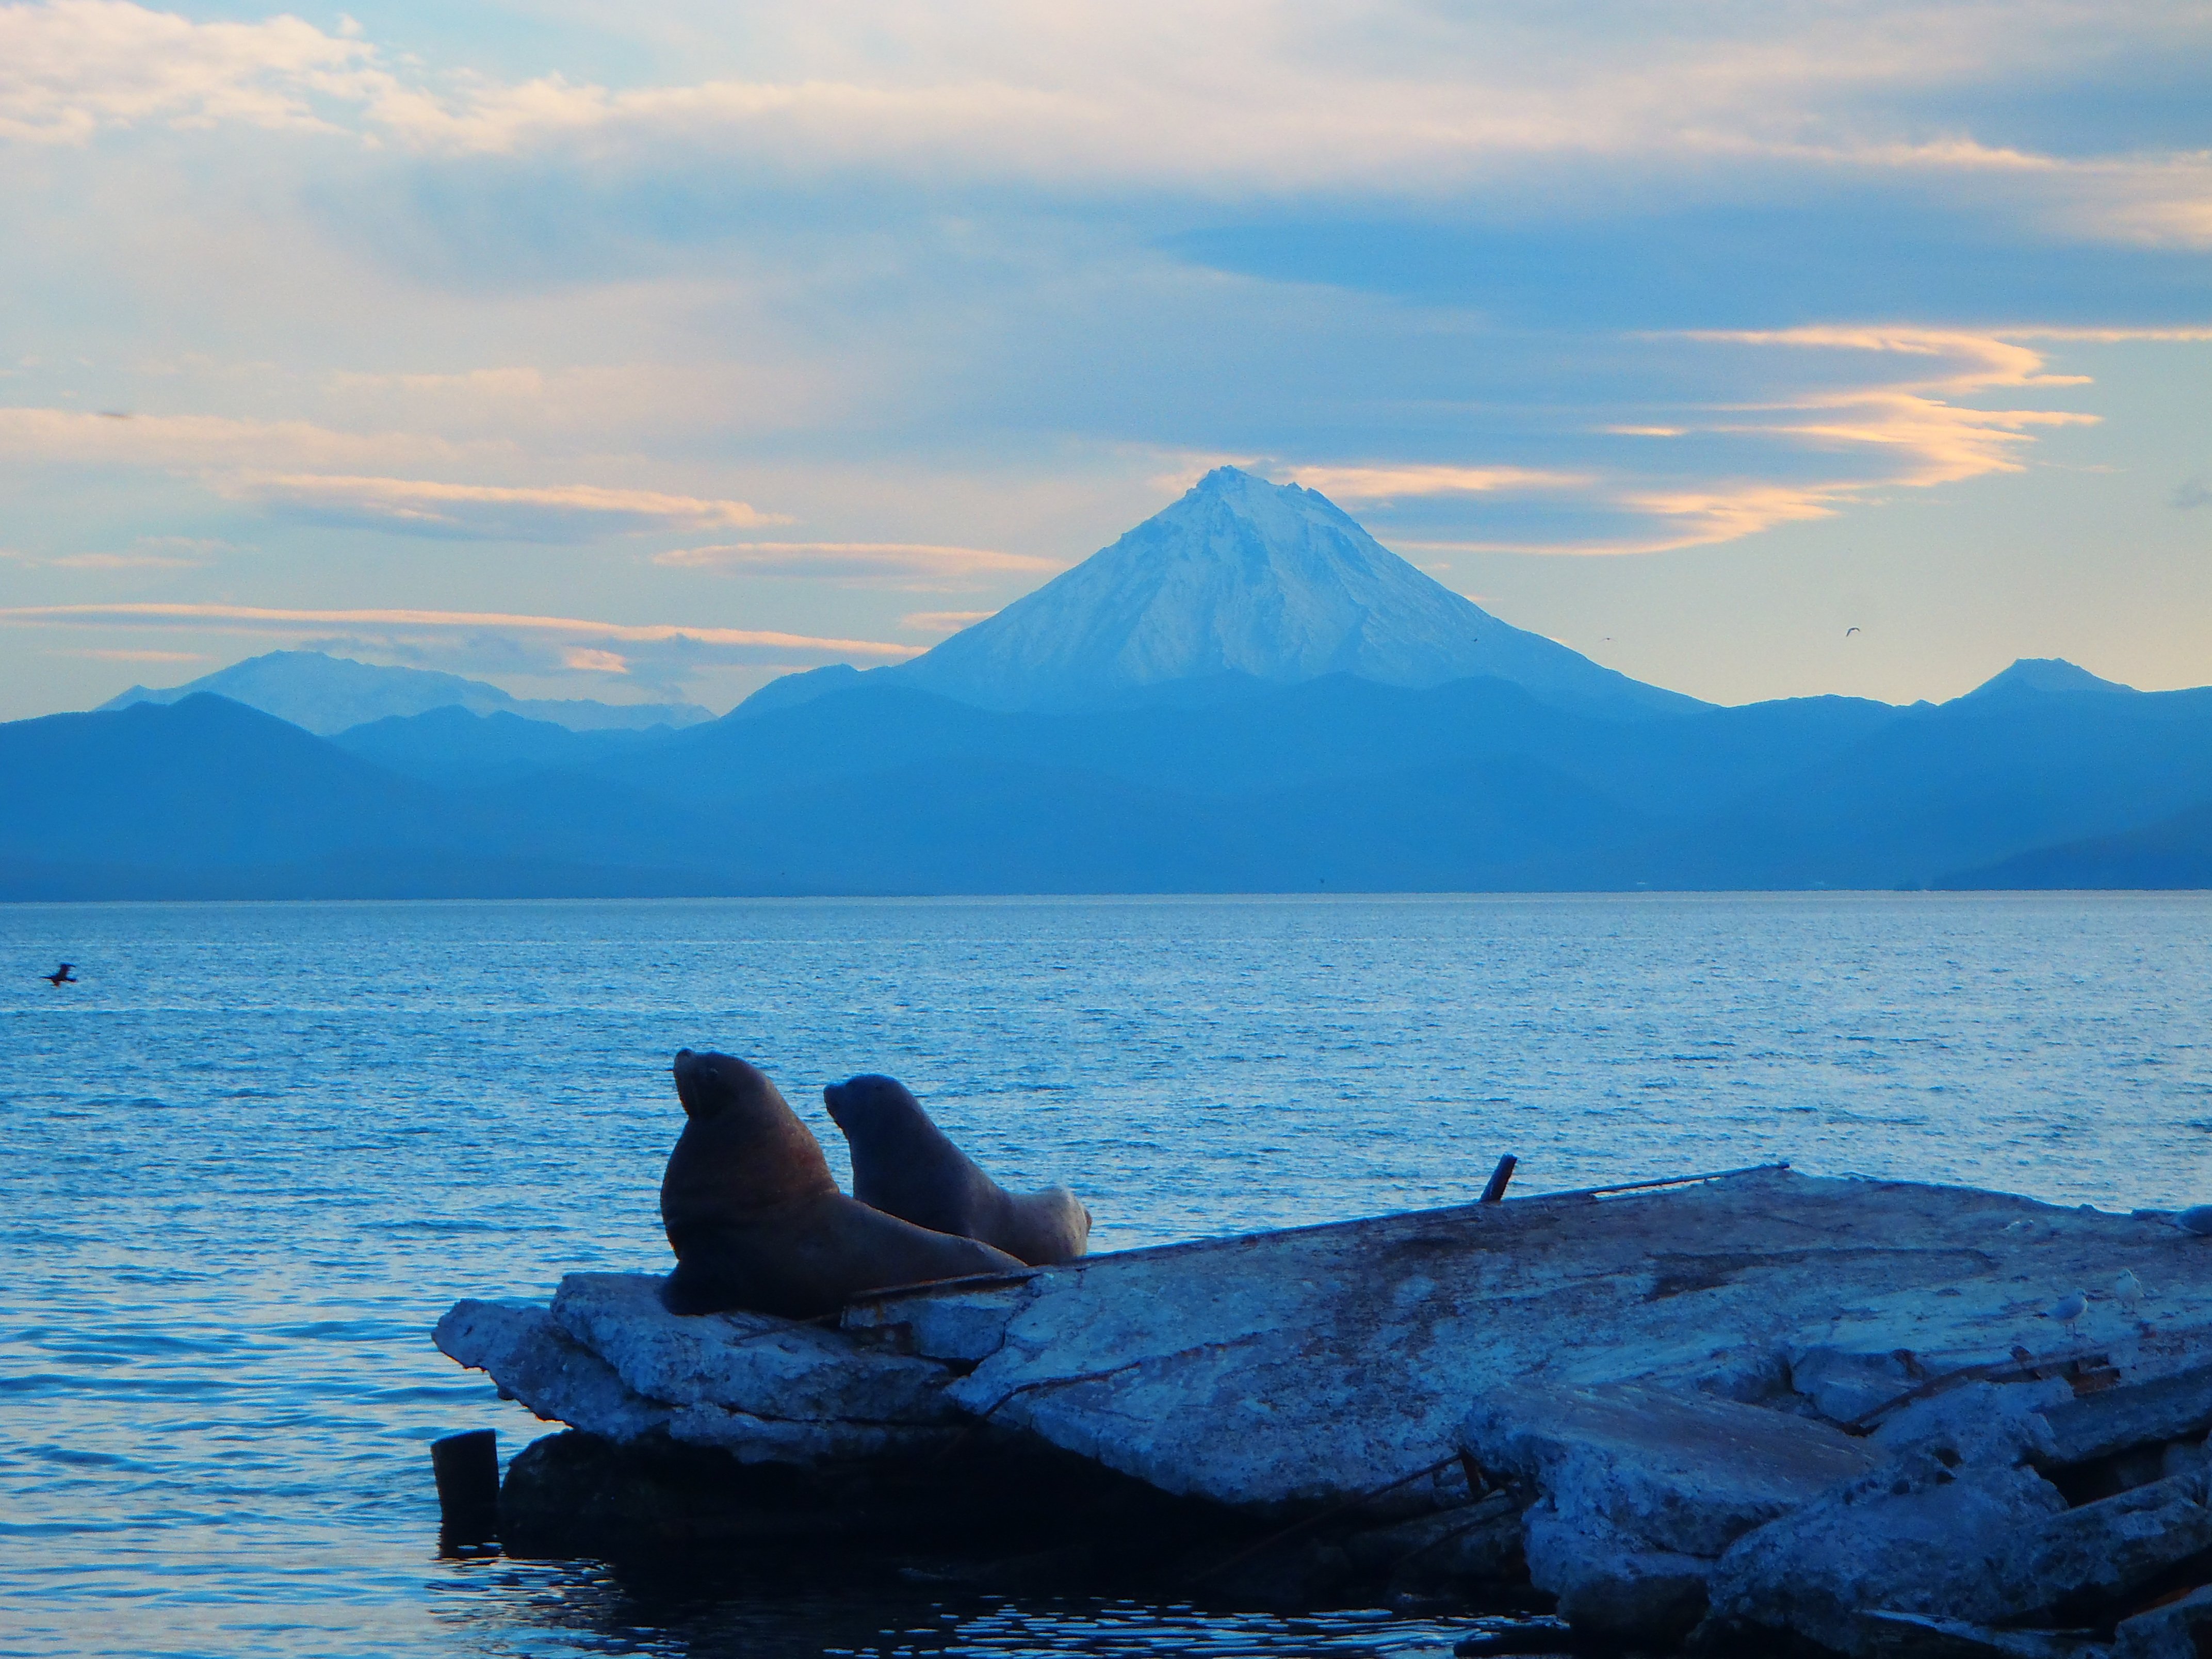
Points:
[(1283, 1372)]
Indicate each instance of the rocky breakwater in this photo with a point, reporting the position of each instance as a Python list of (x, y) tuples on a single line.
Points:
[(1859, 1417)]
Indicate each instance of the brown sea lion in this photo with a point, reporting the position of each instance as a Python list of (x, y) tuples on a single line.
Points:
[(756, 1218), (903, 1165)]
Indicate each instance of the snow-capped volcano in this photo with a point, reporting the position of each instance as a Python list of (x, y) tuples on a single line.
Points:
[(1244, 577)]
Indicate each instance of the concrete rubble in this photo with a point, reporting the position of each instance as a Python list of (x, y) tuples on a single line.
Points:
[(1757, 1413)]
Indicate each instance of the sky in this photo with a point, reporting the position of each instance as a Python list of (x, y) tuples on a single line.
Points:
[(651, 350)]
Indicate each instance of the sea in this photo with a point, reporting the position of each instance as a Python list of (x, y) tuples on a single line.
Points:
[(258, 1149)]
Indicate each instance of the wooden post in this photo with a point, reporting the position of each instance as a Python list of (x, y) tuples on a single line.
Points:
[(1495, 1192), (467, 1470)]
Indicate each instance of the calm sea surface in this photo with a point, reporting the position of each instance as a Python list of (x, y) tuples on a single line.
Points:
[(256, 1153)]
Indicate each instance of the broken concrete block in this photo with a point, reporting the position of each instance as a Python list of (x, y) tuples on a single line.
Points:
[(1914, 1536), (2182, 1629), (534, 1361), (754, 1363), (1845, 1386), (1674, 1472), (1610, 1588), (747, 1389), (1639, 1489), (2176, 1407), (1322, 1373), (1978, 1423), (2184, 1458), (964, 1329), (1980, 1544), (2084, 1562)]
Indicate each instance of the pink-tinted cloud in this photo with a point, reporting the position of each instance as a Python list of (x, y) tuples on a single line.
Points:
[(1384, 481), (45, 435), (889, 564), (490, 512)]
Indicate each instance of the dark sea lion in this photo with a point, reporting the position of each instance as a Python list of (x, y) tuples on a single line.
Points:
[(756, 1218), (903, 1165)]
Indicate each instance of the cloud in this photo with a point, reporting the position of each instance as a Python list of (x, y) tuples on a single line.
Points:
[(557, 512), (913, 565), (1934, 441), (1410, 102), (233, 457), (121, 562), (1728, 514), (69, 67), (1901, 420), (102, 654), (81, 437), (148, 553), (1358, 483), (2106, 335), (2190, 495), (589, 660), (748, 644), (943, 622)]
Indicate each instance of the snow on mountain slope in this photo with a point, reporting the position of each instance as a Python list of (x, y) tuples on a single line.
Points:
[(1242, 577)]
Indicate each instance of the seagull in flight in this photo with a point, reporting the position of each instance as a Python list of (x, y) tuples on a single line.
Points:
[(61, 975), (1848, 632)]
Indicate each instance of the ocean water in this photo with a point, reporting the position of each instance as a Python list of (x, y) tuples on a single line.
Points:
[(258, 1151)]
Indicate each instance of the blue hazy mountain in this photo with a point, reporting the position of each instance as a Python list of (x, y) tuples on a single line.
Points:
[(2044, 676), (326, 694), (207, 798), (1339, 783), (452, 745), (2175, 851), (1938, 790), (203, 780), (1244, 580)]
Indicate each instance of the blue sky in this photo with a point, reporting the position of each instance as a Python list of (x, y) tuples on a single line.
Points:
[(648, 350)]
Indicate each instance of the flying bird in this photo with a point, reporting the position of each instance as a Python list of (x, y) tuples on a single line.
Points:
[(1848, 632), (61, 975)]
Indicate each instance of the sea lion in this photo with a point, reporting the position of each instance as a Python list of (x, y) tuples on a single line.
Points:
[(903, 1165), (756, 1218)]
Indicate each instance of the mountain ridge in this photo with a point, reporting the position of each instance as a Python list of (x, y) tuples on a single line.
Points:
[(1336, 784), (326, 695), (1271, 582)]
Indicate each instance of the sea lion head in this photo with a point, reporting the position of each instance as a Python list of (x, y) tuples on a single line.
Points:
[(742, 1148), (873, 1105), (709, 1083)]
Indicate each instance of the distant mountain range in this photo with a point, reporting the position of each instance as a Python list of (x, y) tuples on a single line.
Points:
[(1160, 746), (1340, 784), (326, 695)]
